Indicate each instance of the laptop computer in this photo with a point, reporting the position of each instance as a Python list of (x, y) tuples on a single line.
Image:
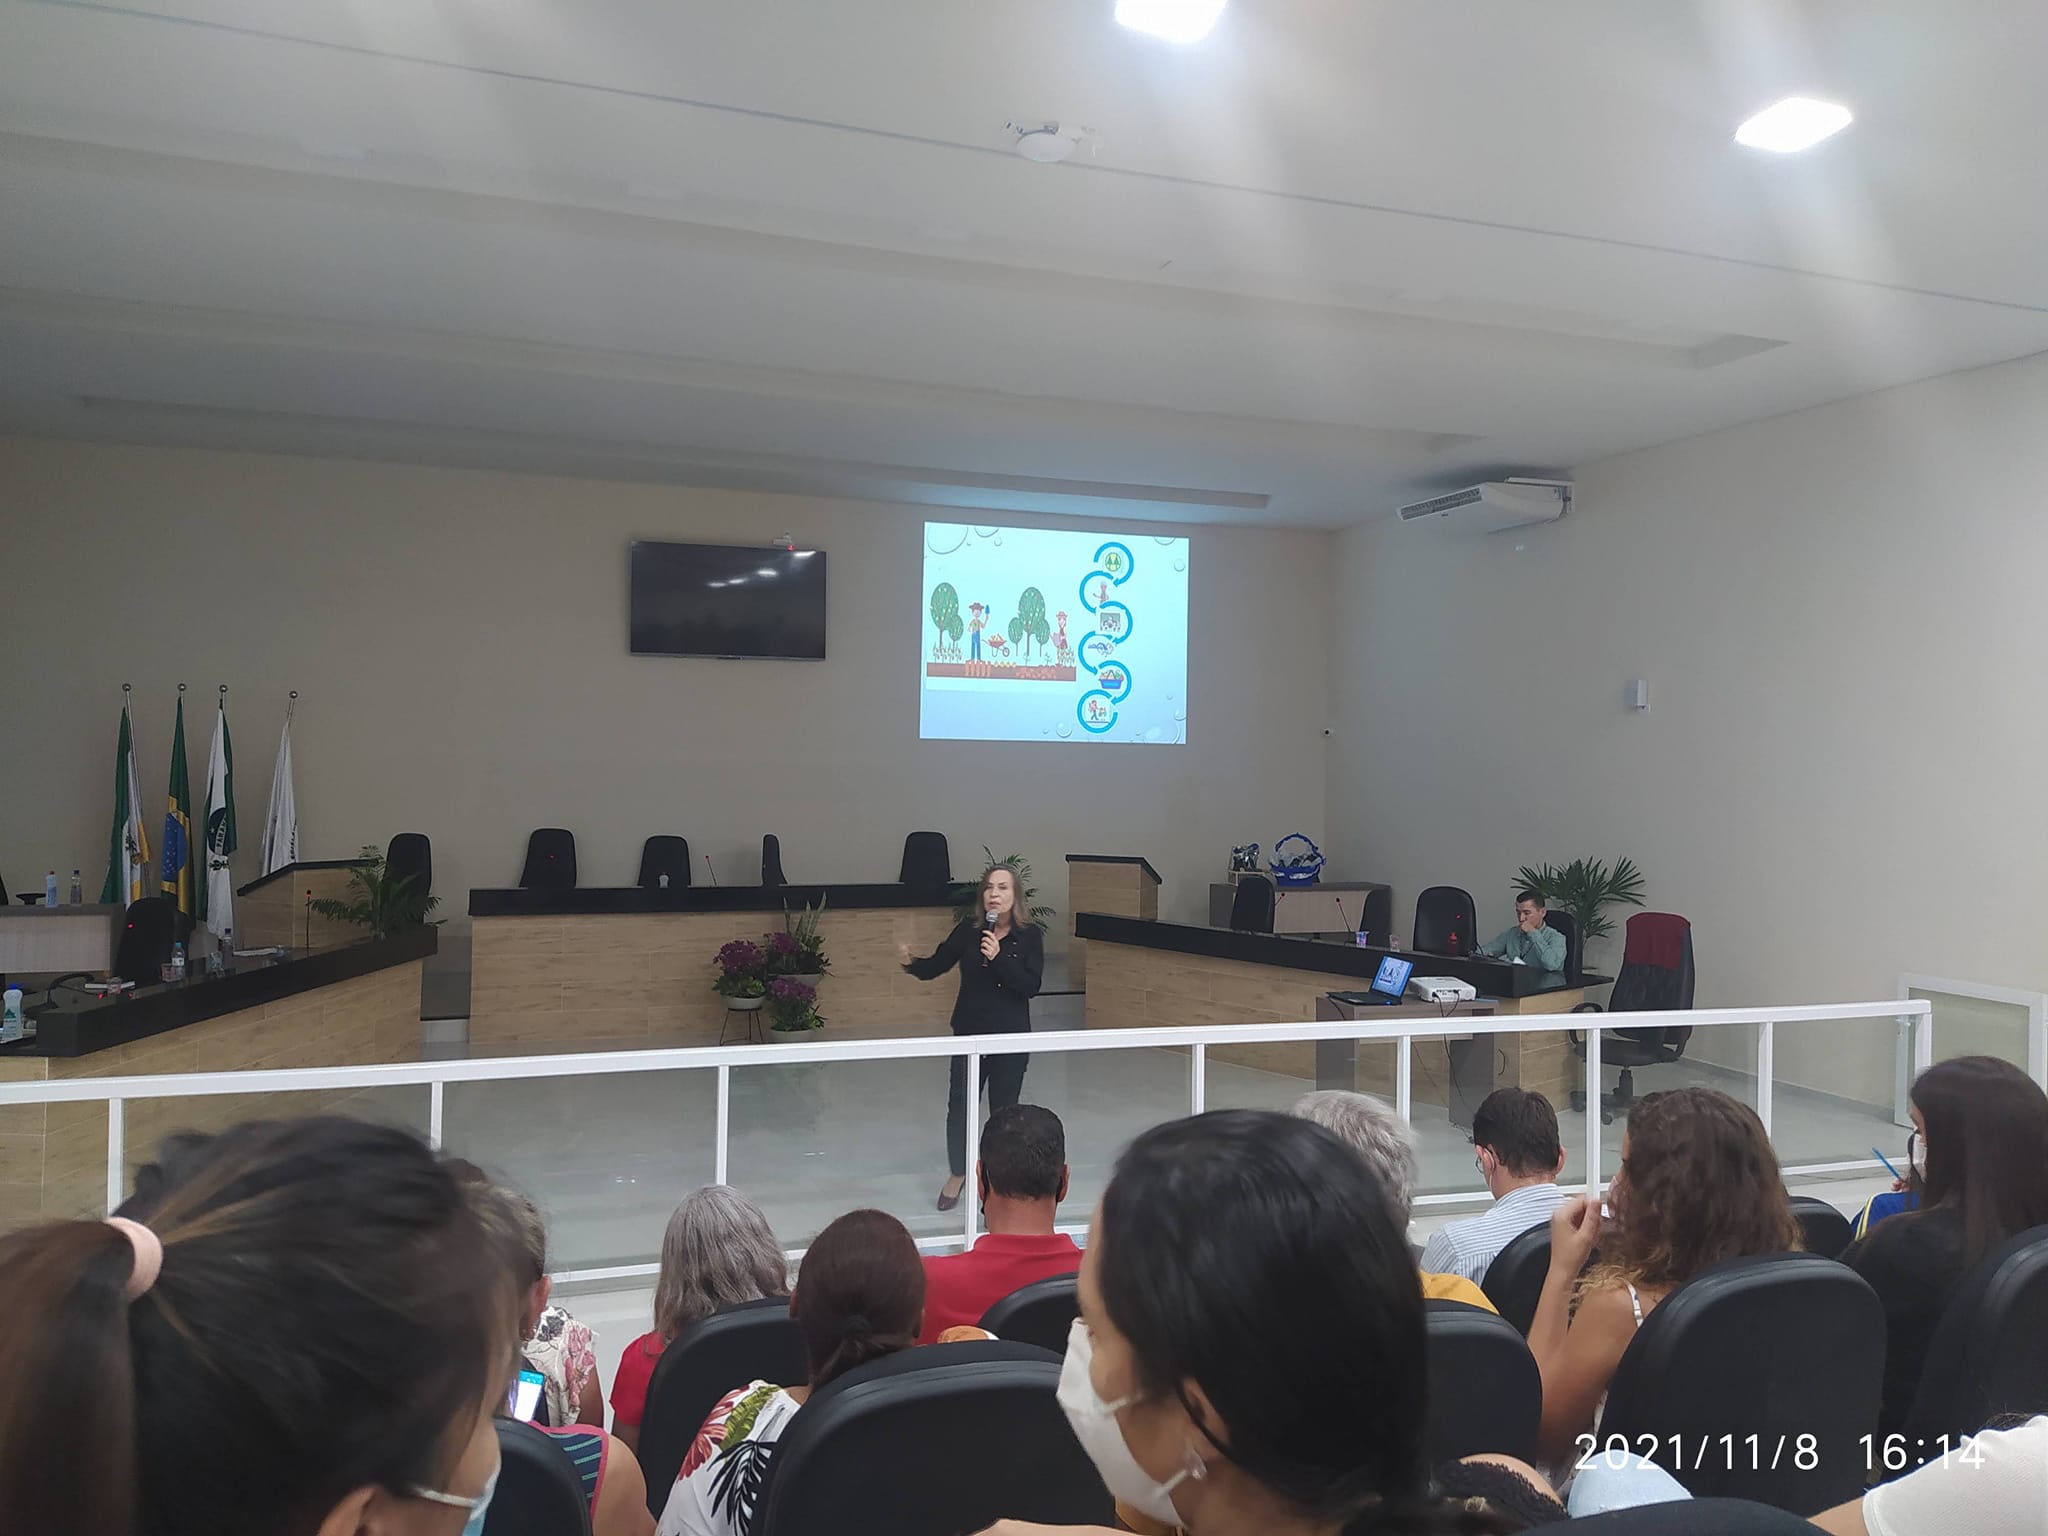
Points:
[(1387, 987)]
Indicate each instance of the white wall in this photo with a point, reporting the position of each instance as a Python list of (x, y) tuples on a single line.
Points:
[(1840, 613), (458, 640)]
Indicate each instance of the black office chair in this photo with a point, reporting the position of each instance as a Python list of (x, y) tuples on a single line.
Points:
[(1445, 921), (771, 861), (146, 938), (1040, 1313), (550, 861), (1655, 976), (1514, 1280), (1778, 1346), (539, 1491), (1823, 1229), (1251, 907), (410, 856), (1485, 1393), (1985, 1359), (1688, 1517), (932, 1442), (1574, 944), (754, 1341), (927, 864), (1376, 917), (664, 855)]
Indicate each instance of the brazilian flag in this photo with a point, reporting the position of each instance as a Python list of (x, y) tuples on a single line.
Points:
[(177, 870)]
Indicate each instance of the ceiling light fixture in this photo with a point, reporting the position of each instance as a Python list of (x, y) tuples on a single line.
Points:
[(768, 571), (1177, 21), (1046, 143), (1796, 123)]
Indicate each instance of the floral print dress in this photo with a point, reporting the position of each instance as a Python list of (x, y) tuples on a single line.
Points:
[(562, 1350)]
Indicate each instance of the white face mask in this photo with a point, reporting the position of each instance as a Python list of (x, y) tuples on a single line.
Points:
[(1102, 1437)]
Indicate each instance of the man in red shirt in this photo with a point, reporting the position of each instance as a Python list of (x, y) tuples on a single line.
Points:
[(1021, 1177)]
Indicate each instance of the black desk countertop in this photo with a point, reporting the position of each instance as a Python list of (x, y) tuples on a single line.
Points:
[(1490, 978), (74, 1023), (592, 900)]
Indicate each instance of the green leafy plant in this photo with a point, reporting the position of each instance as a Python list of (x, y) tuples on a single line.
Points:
[(946, 620), (1029, 627), (1585, 888), (793, 1006), (967, 897), (798, 950), (381, 904)]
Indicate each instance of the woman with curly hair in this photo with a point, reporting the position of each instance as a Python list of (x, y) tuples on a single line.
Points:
[(1698, 1184)]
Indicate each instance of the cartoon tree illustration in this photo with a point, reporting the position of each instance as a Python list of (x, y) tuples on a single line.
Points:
[(946, 618), (1029, 626)]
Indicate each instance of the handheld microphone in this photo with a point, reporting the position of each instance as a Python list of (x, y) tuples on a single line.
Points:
[(988, 923)]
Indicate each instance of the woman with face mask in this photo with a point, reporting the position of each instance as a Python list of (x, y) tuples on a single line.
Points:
[(1001, 957), (296, 1328), (1250, 1355)]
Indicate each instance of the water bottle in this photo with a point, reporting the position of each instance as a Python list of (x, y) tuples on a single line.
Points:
[(177, 962), (10, 1016), (50, 889), (77, 891)]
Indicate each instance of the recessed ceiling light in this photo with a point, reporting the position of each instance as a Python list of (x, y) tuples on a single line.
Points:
[(802, 554), (714, 583), (766, 570), (1178, 21), (1797, 122)]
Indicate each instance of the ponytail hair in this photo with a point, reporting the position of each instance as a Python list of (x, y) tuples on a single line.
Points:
[(329, 1315), (859, 1295)]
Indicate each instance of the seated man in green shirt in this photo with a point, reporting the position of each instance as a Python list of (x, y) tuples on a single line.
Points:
[(1529, 941)]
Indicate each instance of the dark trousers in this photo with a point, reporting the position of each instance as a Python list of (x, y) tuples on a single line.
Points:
[(1002, 1079)]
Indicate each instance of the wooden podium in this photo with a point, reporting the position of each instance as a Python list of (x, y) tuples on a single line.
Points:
[(272, 909), (1120, 884)]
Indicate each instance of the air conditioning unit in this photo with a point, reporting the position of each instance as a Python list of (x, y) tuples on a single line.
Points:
[(1498, 504)]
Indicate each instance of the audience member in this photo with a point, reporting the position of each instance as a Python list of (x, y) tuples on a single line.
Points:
[(553, 1343), (614, 1489), (310, 1333), (1250, 1359), (1698, 1184), (1387, 1143), (1982, 1131), (717, 1252), (1993, 1484), (1021, 1178), (858, 1297), (1515, 1144)]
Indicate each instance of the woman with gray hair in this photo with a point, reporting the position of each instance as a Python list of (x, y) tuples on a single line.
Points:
[(718, 1252), (1387, 1143)]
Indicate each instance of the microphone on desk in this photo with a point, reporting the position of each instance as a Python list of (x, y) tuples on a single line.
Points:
[(988, 923), (708, 869)]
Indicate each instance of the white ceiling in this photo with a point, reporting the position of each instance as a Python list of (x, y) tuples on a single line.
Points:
[(1340, 252)]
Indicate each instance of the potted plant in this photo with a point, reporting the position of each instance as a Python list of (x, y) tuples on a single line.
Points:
[(798, 950), (742, 975), (380, 904), (792, 1009), (1585, 888)]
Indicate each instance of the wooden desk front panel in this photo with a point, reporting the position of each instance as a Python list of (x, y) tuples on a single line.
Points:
[(277, 913), (1130, 987), (1123, 890), (644, 978), (53, 1157), (50, 939)]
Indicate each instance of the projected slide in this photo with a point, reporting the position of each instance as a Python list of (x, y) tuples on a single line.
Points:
[(1037, 634)]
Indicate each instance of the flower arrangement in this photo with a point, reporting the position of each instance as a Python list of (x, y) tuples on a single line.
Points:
[(742, 970), (797, 950), (793, 1006)]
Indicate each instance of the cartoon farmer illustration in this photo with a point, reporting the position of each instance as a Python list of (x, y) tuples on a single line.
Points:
[(1059, 641), (976, 623)]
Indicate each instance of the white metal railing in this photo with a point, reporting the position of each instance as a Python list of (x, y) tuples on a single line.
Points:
[(1913, 1016)]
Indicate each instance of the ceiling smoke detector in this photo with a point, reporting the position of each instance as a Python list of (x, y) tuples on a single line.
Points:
[(1046, 143)]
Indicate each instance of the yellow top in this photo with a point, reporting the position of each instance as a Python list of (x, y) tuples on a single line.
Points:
[(1455, 1288)]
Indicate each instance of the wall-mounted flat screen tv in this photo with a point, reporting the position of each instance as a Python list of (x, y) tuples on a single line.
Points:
[(727, 600)]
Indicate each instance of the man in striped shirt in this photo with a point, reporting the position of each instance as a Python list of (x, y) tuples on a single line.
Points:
[(1515, 1144)]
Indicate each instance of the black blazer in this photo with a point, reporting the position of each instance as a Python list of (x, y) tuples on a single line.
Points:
[(995, 998)]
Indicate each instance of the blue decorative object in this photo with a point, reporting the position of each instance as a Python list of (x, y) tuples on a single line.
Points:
[(1296, 868)]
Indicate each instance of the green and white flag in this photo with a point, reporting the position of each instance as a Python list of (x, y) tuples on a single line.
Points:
[(127, 845), (281, 825), (217, 890)]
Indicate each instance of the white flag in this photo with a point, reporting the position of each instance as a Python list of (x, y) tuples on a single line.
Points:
[(218, 891), (281, 826)]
